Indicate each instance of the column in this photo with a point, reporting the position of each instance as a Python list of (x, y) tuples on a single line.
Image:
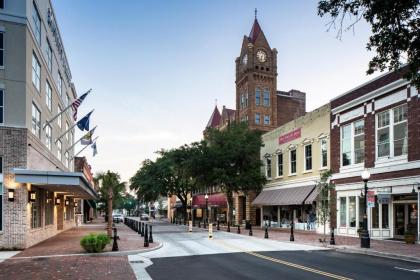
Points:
[(278, 216)]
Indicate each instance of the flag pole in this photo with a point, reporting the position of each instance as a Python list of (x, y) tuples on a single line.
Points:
[(61, 136), (60, 113), (93, 141), (74, 144)]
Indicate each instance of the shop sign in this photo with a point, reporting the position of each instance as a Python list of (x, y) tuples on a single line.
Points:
[(292, 135), (384, 198), (199, 213), (371, 199)]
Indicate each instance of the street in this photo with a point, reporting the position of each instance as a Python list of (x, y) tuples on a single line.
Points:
[(230, 256)]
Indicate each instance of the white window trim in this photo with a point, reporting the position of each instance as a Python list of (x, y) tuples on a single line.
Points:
[(304, 158), (4, 45), (33, 71), (320, 154), (386, 159), (46, 137), (277, 165), (290, 162), (352, 165), (2, 97)]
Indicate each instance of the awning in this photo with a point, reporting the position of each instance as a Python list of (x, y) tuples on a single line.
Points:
[(287, 196), (73, 183), (214, 200)]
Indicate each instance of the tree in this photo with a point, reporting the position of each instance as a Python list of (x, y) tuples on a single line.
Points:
[(147, 182), (111, 191), (324, 208), (230, 160), (395, 30), (129, 203)]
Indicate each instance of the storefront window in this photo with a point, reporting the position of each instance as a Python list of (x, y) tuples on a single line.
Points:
[(49, 208), (385, 215), (375, 214), (362, 210), (36, 210), (343, 214), (352, 211)]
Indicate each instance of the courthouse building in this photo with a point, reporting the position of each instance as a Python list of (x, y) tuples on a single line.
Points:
[(376, 126), (39, 190), (294, 156)]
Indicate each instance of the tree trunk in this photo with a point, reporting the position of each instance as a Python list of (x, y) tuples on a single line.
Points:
[(229, 198), (109, 227)]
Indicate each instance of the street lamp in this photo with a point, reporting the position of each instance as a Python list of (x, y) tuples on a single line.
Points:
[(207, 208), (365, 239)]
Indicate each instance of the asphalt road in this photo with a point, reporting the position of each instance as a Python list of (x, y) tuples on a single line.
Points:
[(229, 256)]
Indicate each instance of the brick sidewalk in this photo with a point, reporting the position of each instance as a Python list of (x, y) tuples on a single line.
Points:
[(385, 247)]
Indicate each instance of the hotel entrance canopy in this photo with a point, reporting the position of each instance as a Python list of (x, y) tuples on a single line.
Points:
[(73, 183), (287, 196)]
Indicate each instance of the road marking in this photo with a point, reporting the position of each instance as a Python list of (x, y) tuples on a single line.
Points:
[(294, 265), (407, 269)]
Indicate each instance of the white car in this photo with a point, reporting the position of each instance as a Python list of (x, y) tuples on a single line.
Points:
[(118, 218)]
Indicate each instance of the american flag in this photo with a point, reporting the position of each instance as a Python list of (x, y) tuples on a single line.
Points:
[(76, 103)]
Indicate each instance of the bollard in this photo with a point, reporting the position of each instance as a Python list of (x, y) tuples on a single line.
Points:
[(142, 229), (218, 225), (204, 223), (239, 229), (146, 238), (292, 236), (266, 232), (210, 231), (137, 226), (250, 230), (332, 240), (115, 244), (150, 235), (228, 228), (185, 222), (139, 229), (199, 224)]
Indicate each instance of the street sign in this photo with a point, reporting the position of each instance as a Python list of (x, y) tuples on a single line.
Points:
[(189, 226), (371, 199), (210, 230)]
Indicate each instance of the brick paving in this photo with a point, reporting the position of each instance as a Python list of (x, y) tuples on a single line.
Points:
[(309, 238)]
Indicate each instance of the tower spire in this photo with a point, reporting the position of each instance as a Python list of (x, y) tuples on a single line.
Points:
[(255, 11)]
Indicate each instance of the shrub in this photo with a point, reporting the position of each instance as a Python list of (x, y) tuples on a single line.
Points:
[(95, 243)]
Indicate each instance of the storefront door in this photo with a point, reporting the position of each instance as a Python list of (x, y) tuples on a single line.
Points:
[(404, 213)]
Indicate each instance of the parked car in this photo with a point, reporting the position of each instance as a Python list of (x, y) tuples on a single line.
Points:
[(118, 218), (144, 217)]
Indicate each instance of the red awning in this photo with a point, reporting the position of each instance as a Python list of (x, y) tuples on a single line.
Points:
[(214, 200)]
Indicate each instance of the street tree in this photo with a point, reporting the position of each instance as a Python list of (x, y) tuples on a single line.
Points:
[(395, 31), (230, 159), (324, 209)]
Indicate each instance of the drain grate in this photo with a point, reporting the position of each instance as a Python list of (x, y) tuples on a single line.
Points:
[(136, 261)]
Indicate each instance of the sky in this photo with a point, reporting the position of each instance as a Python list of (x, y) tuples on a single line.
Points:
[(157, 67)]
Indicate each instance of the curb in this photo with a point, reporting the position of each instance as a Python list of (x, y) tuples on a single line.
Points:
[(117, 253), (378, 254)]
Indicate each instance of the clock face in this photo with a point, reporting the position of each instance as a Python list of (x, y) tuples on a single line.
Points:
[(262, 56), (245, 59)]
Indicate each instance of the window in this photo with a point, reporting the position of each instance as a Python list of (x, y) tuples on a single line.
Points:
[(324, 153), (1, 49), (280, 165), (67, 128), (36, 73), (1, 106), (49, 56), (49, 208), (375, 214), (48, 96), (37, 23), (36, 210), (352, 211), (66, 159), (293, 162), (268, 168), (60, 85), (266, 119), (385, 215), (257, 96), (48, 137), (353, 143), (59, 150), (70, 211), (266, 98), (242, 102), (391, 132), (66, 100), (257, 118), (246, 99), (308, 157), (1, 194), (1, 4), (36, 121), (59, 117), (343, 212)]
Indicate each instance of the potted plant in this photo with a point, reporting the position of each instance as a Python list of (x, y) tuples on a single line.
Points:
[(410, 234)]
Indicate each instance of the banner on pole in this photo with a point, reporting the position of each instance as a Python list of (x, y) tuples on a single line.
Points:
[(371, 199)]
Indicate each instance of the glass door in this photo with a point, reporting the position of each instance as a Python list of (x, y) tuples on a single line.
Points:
[(399, 218)]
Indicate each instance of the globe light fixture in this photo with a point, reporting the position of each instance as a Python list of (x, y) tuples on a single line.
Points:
[(365, 175)]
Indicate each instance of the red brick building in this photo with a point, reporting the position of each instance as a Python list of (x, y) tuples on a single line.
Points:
[(258, 102), (376, 126)]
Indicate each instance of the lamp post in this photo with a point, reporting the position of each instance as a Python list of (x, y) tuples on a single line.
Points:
[(207, 207), (365, 239)]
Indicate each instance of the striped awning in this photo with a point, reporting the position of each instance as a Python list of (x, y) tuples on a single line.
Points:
[(287, 196)]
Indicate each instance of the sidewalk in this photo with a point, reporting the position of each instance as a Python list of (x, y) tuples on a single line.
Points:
[(383, 248), (62, 257)]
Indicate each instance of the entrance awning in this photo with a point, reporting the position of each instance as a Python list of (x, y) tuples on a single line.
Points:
[(214, 200), (73, 183), (287, 196)]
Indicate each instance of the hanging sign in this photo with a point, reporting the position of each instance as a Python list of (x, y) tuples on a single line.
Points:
[(384, 198), (371, 199)]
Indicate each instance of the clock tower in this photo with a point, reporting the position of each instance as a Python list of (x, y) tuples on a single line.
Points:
[(256, 81)]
